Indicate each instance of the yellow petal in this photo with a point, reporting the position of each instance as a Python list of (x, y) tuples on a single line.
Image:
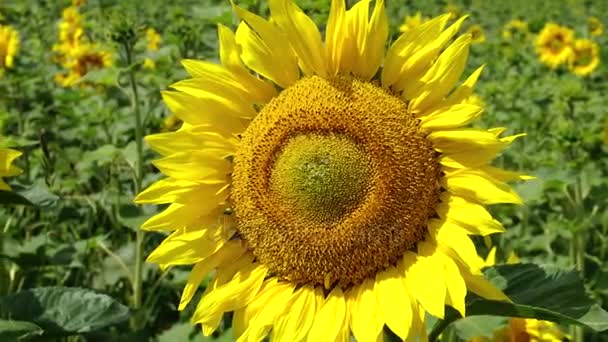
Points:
[(393, 300), (418, 64), (471, 217), (398, 60), (465, 89), (491, 258), (268, 306), (178, 216), (213, 94), (451, 117), (457, 241), (232, 295), (256, 90), (194, 165), (197, 138), (505, 175), (170, 190), (371, 37), (7, 156), (336, 40), (365, 317), (299, 317), (330, 318), (199, 111), (443, 75), (302, 34), (430, 293), (230, 251), (187, 248), (455, 284), (482, 287), (478, 186), (264, 50)]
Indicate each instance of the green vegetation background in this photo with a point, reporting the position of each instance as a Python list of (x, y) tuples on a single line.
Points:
[(79, 150)]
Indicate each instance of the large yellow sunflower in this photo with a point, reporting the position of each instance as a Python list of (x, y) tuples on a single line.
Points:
[(585, 57), (9, 45), (554, 44), (330, 184), (7, 169)]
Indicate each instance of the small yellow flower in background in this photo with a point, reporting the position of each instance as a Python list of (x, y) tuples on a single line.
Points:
[(74, 51), (412, 21), (170, 123), (477, 34), (153, 41), (522, 329), (9, 45), (475, 100), (347, 202), (554, 45), (585, 57), (595, 26), (7, 156), (153, 38), (82, 60), (514, 27)]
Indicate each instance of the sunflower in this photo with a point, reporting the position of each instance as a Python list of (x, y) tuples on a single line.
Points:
[(554, 44), (153, 39), (585, 57), (83, 58), (7, 156), (522, 329), (412, 21), (513, 28), (331, 185), (594, 26), (9, 45), (477, 34)]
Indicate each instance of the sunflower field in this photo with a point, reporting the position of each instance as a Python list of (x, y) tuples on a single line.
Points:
[(291, 170)]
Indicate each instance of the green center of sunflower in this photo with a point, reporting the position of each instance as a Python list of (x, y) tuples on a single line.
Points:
[(333, 181), (321, 176)]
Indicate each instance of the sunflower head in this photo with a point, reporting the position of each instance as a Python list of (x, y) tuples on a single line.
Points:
[(327, 180), (9, 45), (514, 28), (477, 34), (554, 44), (81, 60), (585, 57), (595, 26)]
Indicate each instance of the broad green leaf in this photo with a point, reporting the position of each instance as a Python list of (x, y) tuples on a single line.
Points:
[(62, 311), (546, 293), (478, 326), (40, 195), (18, 330)]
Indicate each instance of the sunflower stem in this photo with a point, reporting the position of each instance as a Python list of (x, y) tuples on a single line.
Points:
[(138, 269)]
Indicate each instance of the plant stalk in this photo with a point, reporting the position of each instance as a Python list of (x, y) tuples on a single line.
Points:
[(138, 270)]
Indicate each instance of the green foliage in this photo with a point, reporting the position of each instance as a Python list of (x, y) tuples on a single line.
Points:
[(59, 311)]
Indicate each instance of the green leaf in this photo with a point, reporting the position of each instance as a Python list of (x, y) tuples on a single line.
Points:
[(18, 330), (548, 293), (9, 197), (40, 195), (62, 311), (478, 326)]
